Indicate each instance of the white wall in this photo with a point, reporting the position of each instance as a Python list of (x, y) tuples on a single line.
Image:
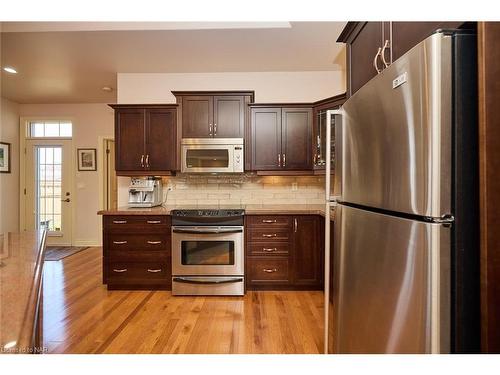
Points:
[(9, 182), (89, 122), (277, 87)]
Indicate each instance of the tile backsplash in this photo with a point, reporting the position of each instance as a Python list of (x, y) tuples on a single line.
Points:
[(247, 188)]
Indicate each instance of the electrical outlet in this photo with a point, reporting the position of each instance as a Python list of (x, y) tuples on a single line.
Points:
[(295, 186)]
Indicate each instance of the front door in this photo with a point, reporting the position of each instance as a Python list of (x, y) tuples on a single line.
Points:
[(48, 189)]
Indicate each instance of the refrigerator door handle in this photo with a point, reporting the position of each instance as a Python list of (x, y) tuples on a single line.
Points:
[(338, 132)]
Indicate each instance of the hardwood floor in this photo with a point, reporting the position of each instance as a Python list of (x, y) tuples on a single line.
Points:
[(81, 316)]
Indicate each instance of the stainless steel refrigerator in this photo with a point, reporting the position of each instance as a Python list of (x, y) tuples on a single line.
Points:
[(402, 174)]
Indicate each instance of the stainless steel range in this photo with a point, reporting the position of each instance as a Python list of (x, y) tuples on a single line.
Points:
[(207, 252)]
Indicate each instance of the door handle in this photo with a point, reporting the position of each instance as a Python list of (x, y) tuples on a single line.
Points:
[(279, 160), (269, 249), (119, 242), (66, 200), (215, 129), (382, 55), (269, 221), (154, 242), (147, 161), (154, 221), (210, 129), (269, 270), (295, 225), (284, 160), (142, 161), (119, 221), (120, 270), (154, 271), (269, 235), (375, 63)]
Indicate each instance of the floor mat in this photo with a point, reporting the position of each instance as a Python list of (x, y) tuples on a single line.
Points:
[(61, 252)]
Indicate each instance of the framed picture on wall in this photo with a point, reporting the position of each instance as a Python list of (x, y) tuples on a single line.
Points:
[(4, 157), (87, 159)]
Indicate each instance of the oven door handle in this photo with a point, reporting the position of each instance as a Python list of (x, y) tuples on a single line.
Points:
[(197, 230), (188, 280)]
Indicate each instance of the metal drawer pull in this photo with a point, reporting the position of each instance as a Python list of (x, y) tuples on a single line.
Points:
[(154, 271), (119, 221), (382, 54), (269, 221), (120, 271), (269, 249), (269, 270), (154, 242), (154, 221), (119, 242), (270, 235), (375, 64)]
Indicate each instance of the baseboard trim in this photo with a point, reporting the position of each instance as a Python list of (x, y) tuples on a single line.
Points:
[(86, 243)]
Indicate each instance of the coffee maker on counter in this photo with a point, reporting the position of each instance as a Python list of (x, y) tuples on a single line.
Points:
[(145, 192)]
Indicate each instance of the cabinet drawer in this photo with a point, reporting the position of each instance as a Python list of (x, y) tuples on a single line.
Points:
[(268, 248), (138, 273), (269, 220), (123, 256), (268, 270), (268, 234), (153, 241), (142, 222)]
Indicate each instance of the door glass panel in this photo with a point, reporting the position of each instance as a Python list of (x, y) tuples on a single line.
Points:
[(207, 158), (207, 253), (48, 187)]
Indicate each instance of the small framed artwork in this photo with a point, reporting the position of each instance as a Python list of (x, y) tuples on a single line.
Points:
[(4, 157), (87, 159)]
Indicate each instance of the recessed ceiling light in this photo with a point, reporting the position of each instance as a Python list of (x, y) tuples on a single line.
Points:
[(10, 69), (107, 89)]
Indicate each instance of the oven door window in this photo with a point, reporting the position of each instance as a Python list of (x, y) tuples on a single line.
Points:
[(207, 158), (215, 253)]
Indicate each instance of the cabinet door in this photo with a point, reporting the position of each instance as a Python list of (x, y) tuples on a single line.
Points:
[(406, 35), (297, 138), (266, 138), (197, 116), (130, 139), (361, 52), (229, 116), (307, 252), (160, 139)]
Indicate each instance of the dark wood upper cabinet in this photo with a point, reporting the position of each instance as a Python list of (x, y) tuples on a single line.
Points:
[(372, 46), (281, 138), (229, 116), (296, 138), (160, 139), (308, 260), (130, 139), (145, 137), (197, 116), (266, 138), (406, 35), (213, 114)]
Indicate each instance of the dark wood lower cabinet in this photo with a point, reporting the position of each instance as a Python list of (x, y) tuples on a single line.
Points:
[(137, 252), (284, 252)]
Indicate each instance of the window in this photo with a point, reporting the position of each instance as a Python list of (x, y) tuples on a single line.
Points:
[(50, 129)]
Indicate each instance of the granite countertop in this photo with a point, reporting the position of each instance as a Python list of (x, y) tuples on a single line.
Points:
[(21, 266), (250, 209)]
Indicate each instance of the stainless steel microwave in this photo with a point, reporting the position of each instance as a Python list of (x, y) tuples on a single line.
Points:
[(212, 155)]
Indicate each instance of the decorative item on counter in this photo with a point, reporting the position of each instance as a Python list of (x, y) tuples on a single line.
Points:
[(87, 159), (4, 157)]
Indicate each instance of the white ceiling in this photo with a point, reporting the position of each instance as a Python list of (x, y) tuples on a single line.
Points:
[(72, 64)]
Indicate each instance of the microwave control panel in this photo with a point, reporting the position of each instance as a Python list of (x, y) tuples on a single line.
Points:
[(238, 159)]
